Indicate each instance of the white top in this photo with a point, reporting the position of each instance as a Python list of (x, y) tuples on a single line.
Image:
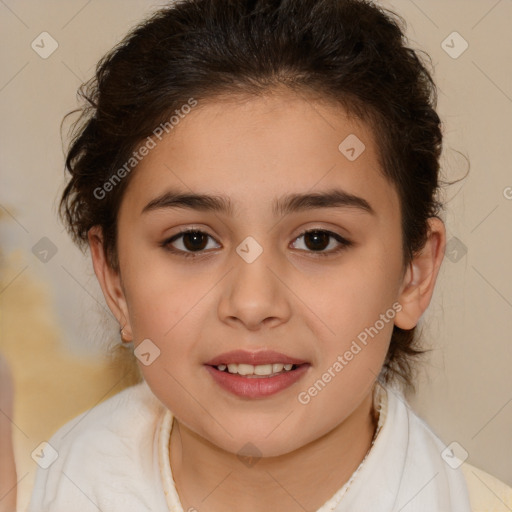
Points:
[(108, 459), (115, 458)]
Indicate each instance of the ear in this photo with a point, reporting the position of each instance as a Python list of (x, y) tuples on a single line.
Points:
[(418, 284), (110, 281)]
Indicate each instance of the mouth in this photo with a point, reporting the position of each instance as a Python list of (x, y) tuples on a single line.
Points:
[(255, 374)]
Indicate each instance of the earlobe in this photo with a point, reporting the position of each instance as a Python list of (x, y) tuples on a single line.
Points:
[(109, 280), (419, 281)]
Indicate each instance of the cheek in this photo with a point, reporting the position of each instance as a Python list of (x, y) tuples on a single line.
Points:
[(161, 293), (353, 310), (353, 297), (168, 308)]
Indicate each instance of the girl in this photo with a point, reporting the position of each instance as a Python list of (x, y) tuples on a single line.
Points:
[(257, 183)]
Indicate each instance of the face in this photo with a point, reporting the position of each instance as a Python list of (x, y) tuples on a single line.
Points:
[(317, 280)]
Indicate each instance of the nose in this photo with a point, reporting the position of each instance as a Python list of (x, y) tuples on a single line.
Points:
[(255, 294)]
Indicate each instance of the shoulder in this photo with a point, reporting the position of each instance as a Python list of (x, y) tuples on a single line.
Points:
[(486, 492), (105, 451), (129, 411)]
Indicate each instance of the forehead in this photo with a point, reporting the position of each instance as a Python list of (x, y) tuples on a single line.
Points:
[(259, 148)]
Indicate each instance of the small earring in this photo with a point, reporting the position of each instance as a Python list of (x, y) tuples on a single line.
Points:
[(125, 342)]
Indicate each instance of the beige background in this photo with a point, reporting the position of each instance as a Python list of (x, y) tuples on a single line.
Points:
[(465, 390)]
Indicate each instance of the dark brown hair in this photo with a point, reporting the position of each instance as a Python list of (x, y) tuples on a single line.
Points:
[(351, 52)]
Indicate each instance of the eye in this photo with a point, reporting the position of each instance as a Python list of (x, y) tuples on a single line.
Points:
[(193, 242), (317, 240), (188, 242)]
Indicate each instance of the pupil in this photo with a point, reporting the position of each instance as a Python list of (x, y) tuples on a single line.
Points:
[(320, 240), (196, 236)]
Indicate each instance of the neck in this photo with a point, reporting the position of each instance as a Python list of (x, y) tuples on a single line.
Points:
[(211, 479)]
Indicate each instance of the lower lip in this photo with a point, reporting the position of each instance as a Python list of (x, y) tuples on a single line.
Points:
[(256, 387)]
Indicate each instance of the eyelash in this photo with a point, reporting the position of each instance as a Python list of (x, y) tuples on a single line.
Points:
[(344, 243)]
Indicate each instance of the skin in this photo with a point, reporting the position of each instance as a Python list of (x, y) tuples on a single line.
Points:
[(289, 299)]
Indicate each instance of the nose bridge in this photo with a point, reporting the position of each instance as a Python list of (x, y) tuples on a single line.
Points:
[(253, 281)]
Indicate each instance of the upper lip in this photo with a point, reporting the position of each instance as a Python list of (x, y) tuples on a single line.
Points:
[(254, 358)]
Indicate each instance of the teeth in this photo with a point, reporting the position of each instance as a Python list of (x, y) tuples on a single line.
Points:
[(260, 369)]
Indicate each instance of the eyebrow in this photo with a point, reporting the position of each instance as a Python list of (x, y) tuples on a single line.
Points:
[(291, 203)]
